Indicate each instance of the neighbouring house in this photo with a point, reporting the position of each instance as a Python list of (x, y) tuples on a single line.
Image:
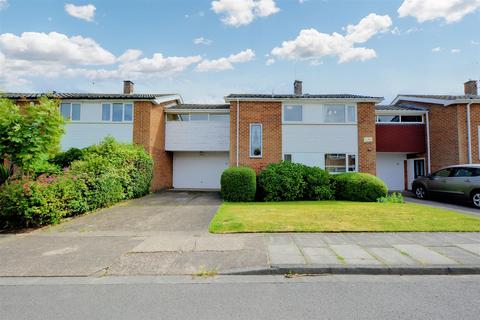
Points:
[(192, 144)]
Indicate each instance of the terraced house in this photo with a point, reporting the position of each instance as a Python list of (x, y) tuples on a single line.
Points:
[(193, 143)]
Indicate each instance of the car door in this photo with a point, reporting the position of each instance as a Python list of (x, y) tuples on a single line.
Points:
[(438, 181), (459, 182)]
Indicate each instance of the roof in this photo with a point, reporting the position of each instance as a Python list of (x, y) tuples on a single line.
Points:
[(86, 96), (248, 96), (443, 97), (400, 107), (437, 99), (200, 107)]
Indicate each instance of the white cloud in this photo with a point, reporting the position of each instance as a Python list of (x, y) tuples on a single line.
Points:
[(130, 55), (3, 4), (55, 47), (437, 49), (86, 12), (455, 51), (312, 44), (202, 40), (270, 61), (243, 12), (226, 63), (474, 43), (158, 64), (449, 10)]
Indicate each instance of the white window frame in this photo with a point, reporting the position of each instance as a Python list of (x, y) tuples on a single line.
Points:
[(345, 110), (70, 117), (346, 162), (252, 155), (400, 118), (209, 114), (111, 112), (292, 105)]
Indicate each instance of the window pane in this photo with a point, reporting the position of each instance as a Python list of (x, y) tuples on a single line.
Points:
[(128, 112), (388, 119), (106, 112), (442, 173), (335, 162), (65, 110), (462, 172), (117, 112), (255, 140), (352, 163), (412, 119), (335, 113), (220, 117), (292, 113), (199, 117), (184, 117), (287, 158), (173, 117), (351, 114), (76, 112)]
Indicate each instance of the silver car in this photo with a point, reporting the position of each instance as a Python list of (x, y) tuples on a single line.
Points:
[(460, 181)]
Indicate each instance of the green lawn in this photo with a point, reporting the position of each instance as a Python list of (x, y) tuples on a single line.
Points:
[(337, 216)]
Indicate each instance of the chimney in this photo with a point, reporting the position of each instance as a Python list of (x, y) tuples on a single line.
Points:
[(471, 87), (128, 87), (297, 88)]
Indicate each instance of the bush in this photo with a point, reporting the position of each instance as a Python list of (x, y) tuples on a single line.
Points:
[(395, 197), (4, 174), (317, 184), (282, 182), (64, 159), (359, 187), (238, 184)]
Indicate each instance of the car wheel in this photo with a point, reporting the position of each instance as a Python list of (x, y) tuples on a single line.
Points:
[(476, 199), (421, 193)]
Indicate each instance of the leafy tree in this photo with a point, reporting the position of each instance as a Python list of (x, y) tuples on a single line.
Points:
[(31, 134)]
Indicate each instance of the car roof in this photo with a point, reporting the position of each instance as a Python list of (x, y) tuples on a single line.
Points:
[(463, 166)]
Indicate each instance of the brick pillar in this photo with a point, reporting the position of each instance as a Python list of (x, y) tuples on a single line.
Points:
[(367, 157)]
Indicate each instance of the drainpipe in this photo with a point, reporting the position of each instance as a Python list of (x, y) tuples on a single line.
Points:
[(469, 134), (428, 143), (238, 130)]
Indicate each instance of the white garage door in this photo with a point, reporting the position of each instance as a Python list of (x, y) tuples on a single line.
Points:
[(390, 168), (198, 170)]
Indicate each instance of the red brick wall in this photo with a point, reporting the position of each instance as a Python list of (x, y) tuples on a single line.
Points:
[(475, 123), (269, 114), (149, 131), (367, 158)]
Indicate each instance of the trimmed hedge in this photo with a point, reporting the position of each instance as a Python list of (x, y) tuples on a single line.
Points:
[(107, 173), (359, 187), (238, 184), (318, 184)]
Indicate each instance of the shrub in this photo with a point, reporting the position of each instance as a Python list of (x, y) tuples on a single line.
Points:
[(395, 197), (282, 182), (317, 184), (4, 174), (359, 187), (64, 159), (238, 184)]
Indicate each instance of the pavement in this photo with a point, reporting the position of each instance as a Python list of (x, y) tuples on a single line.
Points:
[(246, 297), (167, 234)]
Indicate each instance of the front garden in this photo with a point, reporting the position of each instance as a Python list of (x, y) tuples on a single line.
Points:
[(289, 197), (40, 185)]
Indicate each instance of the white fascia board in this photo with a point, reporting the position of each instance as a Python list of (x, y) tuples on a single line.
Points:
[(297, 100), (162, 99), (197, 110), (458, 101), (400, 112), (425, 100)]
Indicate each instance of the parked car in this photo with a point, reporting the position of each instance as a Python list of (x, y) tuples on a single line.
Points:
[(460, 181)]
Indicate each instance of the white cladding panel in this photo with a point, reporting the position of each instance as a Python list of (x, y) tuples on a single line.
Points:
[(80, 135), (324, 138), (197, 136), (198, 170), (390, 168)]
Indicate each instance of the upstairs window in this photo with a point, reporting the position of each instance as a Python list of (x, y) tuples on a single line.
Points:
[(199, 117), (117, 112), (335, 114), (387, 119), (106, 114), (70, 111), (399, 119), (127, 112), (219, 117), (256, 140), (292, 113)]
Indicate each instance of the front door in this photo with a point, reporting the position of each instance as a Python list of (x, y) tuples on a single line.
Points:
[(415, 169)]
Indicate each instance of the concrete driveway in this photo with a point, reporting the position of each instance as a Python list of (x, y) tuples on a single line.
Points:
[(449, 204)]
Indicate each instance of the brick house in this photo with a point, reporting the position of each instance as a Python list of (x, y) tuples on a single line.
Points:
[(192, 144)]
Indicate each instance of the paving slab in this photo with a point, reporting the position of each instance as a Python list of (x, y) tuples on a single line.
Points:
[(378, 239), (279, 239), (474, 248), (391, 256), (321, 256), (354, 254), (166, 243), (285, 254), (460, 255), (309, 240), (424, 255), (337, 238)]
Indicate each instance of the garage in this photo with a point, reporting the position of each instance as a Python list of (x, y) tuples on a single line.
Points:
[(198, 170), (390, 168)]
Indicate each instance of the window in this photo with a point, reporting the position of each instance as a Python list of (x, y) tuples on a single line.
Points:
[(384, 119), (128, 112), (255, 140), (106, 112), (287, 157), (117, 112), (412, 119), (340, 162), (462, 172), (335, 113), (351, 114), (70, 111), (199, 117), (220, 117), (292, 113), (442, 173), (178, 117), (399, 119)]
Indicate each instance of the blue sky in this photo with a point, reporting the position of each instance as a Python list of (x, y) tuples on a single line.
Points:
[(371, 47)]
